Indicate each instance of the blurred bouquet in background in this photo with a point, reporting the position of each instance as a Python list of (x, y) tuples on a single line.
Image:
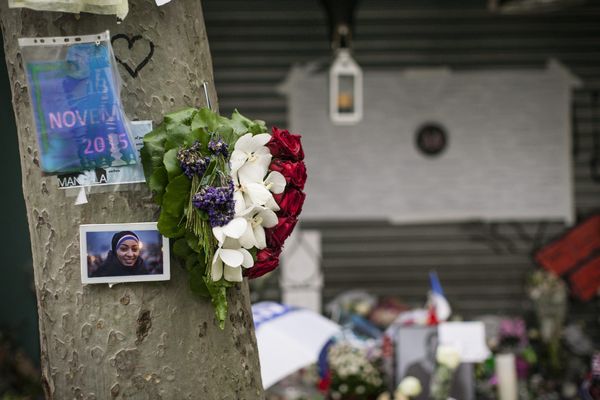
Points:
[(549, 296), (354, 372), (448, 359)]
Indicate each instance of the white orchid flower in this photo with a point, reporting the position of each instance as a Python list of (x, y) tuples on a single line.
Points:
[(259, 193), (230, 255), (234, 229), (250, 158), (228, 260), (258, 219)]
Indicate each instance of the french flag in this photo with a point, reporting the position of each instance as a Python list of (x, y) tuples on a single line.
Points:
[(438, 309)]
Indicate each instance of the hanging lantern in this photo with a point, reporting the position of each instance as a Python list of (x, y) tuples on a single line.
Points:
[(345, 89)]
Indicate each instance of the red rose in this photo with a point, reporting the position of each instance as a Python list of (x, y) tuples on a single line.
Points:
[(266, 261), (285, 145), (293, 171), (277, 235), (290, 202)]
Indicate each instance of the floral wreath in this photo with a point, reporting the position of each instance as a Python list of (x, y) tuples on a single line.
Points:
[(229, 195)]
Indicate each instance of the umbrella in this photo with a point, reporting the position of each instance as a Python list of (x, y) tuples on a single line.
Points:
[(288, 339)]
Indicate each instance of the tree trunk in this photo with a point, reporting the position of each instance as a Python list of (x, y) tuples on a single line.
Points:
[(134, 340)]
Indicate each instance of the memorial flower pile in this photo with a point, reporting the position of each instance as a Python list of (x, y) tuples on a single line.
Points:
[(230, 194), (354, 373)]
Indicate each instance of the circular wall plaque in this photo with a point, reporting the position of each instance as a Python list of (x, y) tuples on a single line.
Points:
[(431, 139)]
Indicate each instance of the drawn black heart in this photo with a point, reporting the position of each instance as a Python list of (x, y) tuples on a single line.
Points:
[(130, 43)]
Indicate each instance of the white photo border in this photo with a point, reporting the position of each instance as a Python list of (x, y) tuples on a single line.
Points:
[(136, 226)]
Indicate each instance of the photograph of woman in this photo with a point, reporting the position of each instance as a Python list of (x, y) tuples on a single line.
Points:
[(123, 258), (135, 252)]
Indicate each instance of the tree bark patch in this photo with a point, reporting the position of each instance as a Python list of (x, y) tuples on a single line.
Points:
[(144, 323)]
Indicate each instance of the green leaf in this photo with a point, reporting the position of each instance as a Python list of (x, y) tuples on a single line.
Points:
[(176, 196), (237, 123), (168, 225), (157, 183), (191, 262), (200, 135), (193, 242), (157, 135), (153, 150), (151, 159), (198, 122), (258, 127), (242, 124), (181, 249), (179, 117), (218, 294), (197, 283), (203, 214), (204, 139), (171, 164), (209, 118), (195, 135), (253, 252), (228, 135), (178, 136), (208, 174)]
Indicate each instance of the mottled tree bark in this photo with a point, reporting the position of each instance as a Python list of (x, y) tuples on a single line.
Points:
[(135, 340)]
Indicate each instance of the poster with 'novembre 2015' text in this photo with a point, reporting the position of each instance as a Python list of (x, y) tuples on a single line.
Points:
[(77, 110), (121, 175)]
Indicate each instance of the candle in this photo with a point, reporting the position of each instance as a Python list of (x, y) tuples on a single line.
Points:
[(506, 372)]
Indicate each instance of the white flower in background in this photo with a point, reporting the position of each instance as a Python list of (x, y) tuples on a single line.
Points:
[(258, 219), (250, 158), (258, 193), (384, 396), (230, 256), (363, 308), (410, 387), (448, 356)]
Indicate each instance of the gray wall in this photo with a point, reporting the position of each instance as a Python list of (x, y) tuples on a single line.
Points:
[(483, 267)]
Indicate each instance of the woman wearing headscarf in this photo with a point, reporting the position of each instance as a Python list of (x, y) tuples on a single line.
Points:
[(123, 257)]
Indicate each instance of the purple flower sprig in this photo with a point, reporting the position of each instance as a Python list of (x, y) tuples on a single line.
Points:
[(192, 161), (217, 202), (218, 147)]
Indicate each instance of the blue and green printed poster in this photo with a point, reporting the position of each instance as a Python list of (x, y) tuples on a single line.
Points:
[(77, 110)]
